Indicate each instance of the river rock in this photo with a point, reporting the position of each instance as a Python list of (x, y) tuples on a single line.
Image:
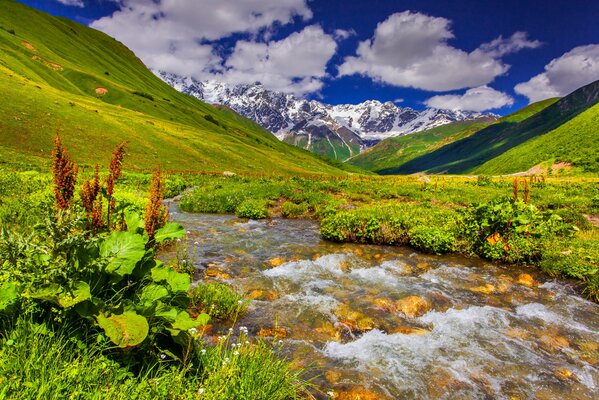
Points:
[(554, 343), (527, 280), (485, 289), (408, 330), (328, 332), (442, 382), (277, 331), (216, 274), (386, 304), (276, 262), (261, 294), (565, 375), (357, 393), (413, 306), (332, 377)]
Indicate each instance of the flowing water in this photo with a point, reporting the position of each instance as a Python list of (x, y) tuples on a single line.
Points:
[(476, 330)]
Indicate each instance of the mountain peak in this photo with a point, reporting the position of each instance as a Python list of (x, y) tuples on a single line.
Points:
[(339, 131)]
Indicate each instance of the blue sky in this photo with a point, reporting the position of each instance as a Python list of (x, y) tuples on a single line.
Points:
[(468, 54)]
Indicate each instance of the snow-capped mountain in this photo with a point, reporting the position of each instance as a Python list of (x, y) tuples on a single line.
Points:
[(339, 131)]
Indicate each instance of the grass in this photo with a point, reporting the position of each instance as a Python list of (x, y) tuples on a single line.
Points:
[(49, 72), (571, 116), (43, 362), (393, 152), (389, 155), (218, 300)]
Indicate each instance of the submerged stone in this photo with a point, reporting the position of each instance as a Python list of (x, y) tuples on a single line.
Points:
[(261, 294), (413, 306), (527, 280), (277, 331), (216, 274), (276, 262), (408, 330)]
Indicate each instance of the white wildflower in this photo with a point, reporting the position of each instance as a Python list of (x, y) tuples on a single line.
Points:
[(203, 351), (235, 353), (163, 356)]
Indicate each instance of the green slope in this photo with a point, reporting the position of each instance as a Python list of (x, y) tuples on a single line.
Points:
[(387, 156), (50, 71), (393, 152), (467, 155), (576, 142)]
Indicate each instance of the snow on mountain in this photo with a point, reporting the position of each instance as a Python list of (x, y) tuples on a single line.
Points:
[(339, 131)]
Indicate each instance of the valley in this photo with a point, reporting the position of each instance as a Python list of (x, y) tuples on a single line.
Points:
[(186, 221)]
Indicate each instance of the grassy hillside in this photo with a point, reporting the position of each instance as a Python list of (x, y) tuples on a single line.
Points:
[(576, 142), (391, 153), (468, 154), (57, 75)]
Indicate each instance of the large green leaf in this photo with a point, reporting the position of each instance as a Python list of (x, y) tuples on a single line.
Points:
[(153, 293), (170, 231), (9, 296), (185, 322), (135, 223), (125, 330), (123, 250), (80, 292), (177, 281), (167, 312), (47, 293)]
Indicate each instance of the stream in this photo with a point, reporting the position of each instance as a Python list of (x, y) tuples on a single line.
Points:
[(387, 322)]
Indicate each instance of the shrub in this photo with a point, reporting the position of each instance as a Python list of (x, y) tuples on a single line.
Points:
[(252, 209), (511, 231), (292, 210), (432, 239), (144, 95), (217, 300), (211, 119)]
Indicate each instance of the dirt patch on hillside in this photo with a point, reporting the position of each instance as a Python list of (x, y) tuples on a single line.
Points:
[(538, 170), (101, 91), (49, 64), (593, 219), (28, 46)]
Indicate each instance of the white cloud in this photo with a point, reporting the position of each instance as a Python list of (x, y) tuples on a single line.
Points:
[(477, 99), (500, 46), (73, 3), (175, 35), (295, 64), (410, 49), (399, 100), (563, 75), (342, 34)]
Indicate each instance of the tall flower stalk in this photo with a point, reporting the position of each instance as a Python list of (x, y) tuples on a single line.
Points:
[(64, 173), (156, 214), (115, 171)]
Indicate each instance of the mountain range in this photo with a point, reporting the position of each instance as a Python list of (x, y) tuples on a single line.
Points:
[(337, 131)]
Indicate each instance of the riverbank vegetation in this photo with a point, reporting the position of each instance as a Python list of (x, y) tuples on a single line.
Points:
[(87, 310), (546, 222)]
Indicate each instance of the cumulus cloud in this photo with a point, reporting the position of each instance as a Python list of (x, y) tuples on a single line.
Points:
[(296, 63), (177, 35), (411, 49), (477, 99), (73, 3), (563, 75)]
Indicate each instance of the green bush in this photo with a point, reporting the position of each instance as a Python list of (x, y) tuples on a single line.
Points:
[(252, 209), (510, 231), (432, 239), (217, 300), (292, 210)]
